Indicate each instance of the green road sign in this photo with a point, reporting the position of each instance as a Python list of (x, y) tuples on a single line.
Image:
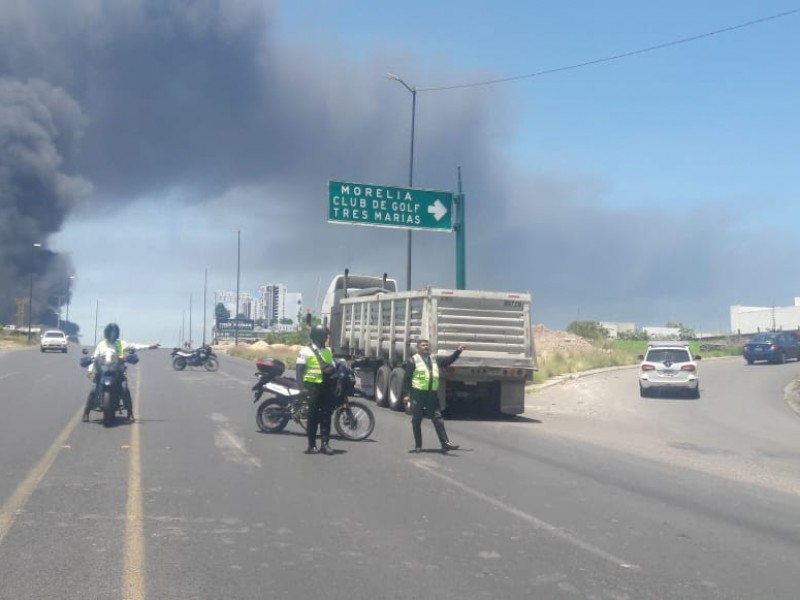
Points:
[(382, 206)]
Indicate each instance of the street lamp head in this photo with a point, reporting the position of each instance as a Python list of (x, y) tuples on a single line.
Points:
[(397, 78), (37, 245)]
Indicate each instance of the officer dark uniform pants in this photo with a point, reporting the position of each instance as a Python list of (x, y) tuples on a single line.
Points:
[(320, 409), (426, 404)]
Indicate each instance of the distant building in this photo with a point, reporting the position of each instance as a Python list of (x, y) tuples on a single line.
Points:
[(228, 299), (616, 328), (752, 319), (662, 333), (276, 305), (272, 306)]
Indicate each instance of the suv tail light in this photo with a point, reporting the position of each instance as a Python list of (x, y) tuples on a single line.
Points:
[(774, 347), (648, 368), (688, 368)]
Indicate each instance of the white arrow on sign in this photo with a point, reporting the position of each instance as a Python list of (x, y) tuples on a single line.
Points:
[(438, 210)]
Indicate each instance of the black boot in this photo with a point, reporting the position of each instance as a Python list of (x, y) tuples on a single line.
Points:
[(325, 448), (417, 442), (438, 425), (416, 429)]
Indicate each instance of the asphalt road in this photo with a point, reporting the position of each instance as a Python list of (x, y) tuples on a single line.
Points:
[(593, 493)]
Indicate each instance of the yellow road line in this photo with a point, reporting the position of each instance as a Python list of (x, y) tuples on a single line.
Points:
[(22, 494), (133, 566)]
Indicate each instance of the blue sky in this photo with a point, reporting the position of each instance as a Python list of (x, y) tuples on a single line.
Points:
[(656, 187)]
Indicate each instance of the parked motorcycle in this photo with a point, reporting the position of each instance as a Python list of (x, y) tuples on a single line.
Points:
[(110, 383), (199, 357), (285, 402)]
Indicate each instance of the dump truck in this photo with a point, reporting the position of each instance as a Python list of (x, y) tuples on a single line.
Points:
[(375, 328)]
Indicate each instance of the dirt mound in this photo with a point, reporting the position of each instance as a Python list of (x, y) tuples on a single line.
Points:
[(548, 341), (262, 346)]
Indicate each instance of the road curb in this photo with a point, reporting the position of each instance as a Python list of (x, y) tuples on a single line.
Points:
[(791, 395), (558, 379)]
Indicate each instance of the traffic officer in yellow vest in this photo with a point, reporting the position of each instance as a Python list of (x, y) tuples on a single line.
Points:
[(420, 387), (316, 374)]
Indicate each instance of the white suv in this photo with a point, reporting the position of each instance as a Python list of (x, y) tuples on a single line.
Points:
[(53, 340), (669, 366)]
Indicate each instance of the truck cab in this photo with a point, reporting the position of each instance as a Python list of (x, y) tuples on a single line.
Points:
[(346, 286)]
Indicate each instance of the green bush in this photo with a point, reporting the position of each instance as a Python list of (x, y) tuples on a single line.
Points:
[(589, 330)]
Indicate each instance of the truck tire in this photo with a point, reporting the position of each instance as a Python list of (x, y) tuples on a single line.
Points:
[(382, 377), (396, 389)]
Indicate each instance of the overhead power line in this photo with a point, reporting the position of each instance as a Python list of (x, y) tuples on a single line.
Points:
[(616, 56)]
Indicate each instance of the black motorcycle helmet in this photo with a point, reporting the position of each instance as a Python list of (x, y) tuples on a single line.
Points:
[(111, 332), (318, 334)]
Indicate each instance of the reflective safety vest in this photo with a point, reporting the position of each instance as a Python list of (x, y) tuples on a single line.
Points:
[(117, 346), (313, 372), (424, 379)]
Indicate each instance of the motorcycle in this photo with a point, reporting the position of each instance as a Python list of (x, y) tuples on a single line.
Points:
[(110, 384), (285, 402), (199, 357)]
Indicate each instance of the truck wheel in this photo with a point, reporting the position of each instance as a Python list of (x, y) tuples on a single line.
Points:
[(396, 389), (382, 386)]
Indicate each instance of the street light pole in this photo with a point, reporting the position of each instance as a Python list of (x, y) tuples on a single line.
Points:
[(30, 293), (189, 338), (238, 267), (413, 91), (69, 285), (205, 293), (96, 311)]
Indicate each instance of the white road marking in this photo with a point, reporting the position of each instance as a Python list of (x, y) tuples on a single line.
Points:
[(431, 468), (233, 447)]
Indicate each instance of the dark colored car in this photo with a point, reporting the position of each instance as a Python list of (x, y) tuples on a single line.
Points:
[(771, 346)]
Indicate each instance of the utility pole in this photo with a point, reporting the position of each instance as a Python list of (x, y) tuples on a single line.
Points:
[(30, 294), (238, 268), (461, 233), (413, 91), (205, 293), (191, 345)]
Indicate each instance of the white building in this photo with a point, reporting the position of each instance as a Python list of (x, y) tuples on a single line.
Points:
[(272, 303), (615, 328), (752, 319), (228, 300), (275, 303), (662, 333)]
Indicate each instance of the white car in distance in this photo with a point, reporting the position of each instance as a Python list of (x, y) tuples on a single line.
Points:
[(53, 340), (669, 366)]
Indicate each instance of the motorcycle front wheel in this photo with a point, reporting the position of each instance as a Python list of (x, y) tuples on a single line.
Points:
[(109, 408), (354, 421), (271, 417), (211, 364), (179, 364)]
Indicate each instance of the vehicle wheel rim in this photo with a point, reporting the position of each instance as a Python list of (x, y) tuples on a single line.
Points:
[(354, 422)]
